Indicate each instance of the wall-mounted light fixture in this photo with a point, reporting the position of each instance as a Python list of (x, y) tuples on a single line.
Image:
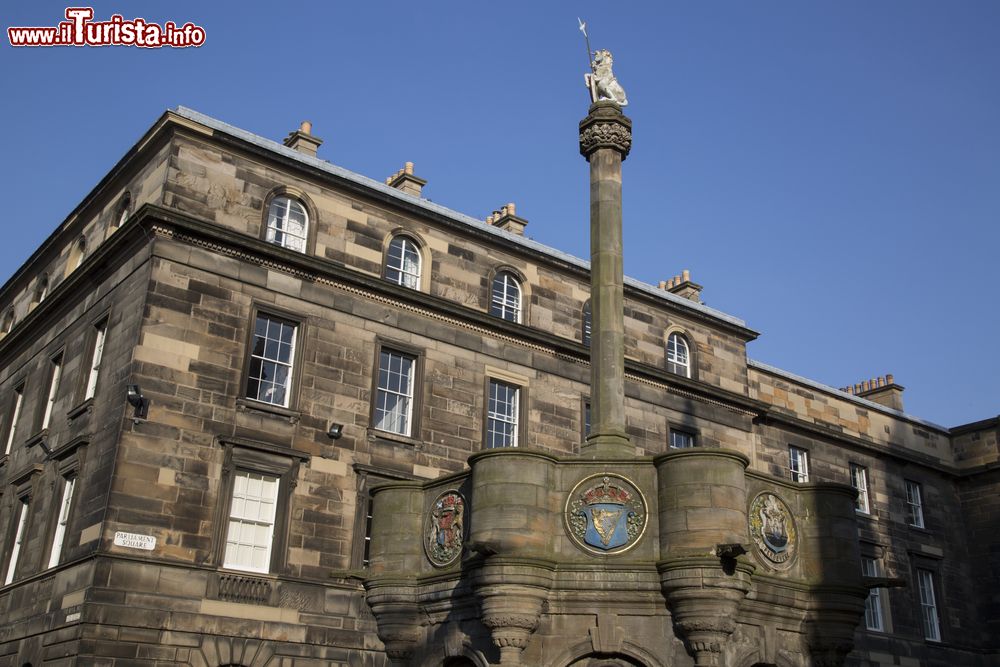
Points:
[(137, 401), (336, 430)]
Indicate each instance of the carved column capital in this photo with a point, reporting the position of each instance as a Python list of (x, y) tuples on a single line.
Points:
[(605, 127)]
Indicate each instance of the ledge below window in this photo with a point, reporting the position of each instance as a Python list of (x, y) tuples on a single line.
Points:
[(86, 406), (394, 438), (250, 405)]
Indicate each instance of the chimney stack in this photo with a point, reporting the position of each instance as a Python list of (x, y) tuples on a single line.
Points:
[(882, 390), (302, 139), (506, 219), (682, 286), (405, 180)]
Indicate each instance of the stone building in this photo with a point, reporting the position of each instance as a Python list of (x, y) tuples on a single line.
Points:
[(212, 362)]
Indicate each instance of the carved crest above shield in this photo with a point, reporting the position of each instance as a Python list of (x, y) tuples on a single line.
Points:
[(444, 533), (773, 531), (605, 514)]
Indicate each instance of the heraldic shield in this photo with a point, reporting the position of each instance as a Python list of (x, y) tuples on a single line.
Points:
[(605, 514)]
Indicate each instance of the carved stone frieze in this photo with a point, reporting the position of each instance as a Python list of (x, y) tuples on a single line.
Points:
[(605, 127)]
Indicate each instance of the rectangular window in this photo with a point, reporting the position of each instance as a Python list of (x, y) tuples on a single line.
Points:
[(251, 522), (928, 606), (501, 424), (59, 537), (15, 414), (859, 480), (272, 355), (681, 439), (873, 605), (914, 504), (798, 464), (19, 535), (55, 374), (394, 396), (586, 418), (100, 331)]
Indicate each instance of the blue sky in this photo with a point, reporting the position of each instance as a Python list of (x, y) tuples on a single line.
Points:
[(830, 172)]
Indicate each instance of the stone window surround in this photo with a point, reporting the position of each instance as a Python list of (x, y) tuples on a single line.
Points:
[(68, 462), (102, 319), (262, 458), (521, 383), (863, 503), (312, 216), (14, 413), (798, 476), (922, 562), (416, 409), (919, 505), (681, 429), (880, 598), (23, 492), (522, 284), (53, 376), (674, 329), (246, 402), (424, 275), (586, 323)]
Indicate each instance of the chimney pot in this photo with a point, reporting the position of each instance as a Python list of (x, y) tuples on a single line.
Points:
[(889, 379), (511, 209), (408, 167), (306, 127), (686, 275)]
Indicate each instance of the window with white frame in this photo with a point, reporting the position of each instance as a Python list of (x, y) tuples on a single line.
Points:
[(587, 322), (14, 416), (403, 262), (859, 480), (55, 375), (914, 504), (96, 355), (798, 463), (873, 603), (59, 536), (678, 355), (19, 536), (272, 357), (928, 605), (502, 414), (287, 223), (505, 299), (251, 521), (681, 439), (394, 396)]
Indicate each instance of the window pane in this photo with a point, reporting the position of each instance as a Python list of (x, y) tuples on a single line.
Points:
[(501, 428), (272, 356), (287, 224), (251, 521), (394, 399), (505, 301), (403, 263), (678, 358)]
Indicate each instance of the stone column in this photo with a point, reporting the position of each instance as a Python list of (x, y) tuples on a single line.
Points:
[(605, 140)]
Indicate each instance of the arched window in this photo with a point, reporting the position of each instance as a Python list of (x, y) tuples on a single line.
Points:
[(123, 211), (41, 290), (678, 355), (402, 262), (586, 323), (287, 223), (76, 255), (505, 301)]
